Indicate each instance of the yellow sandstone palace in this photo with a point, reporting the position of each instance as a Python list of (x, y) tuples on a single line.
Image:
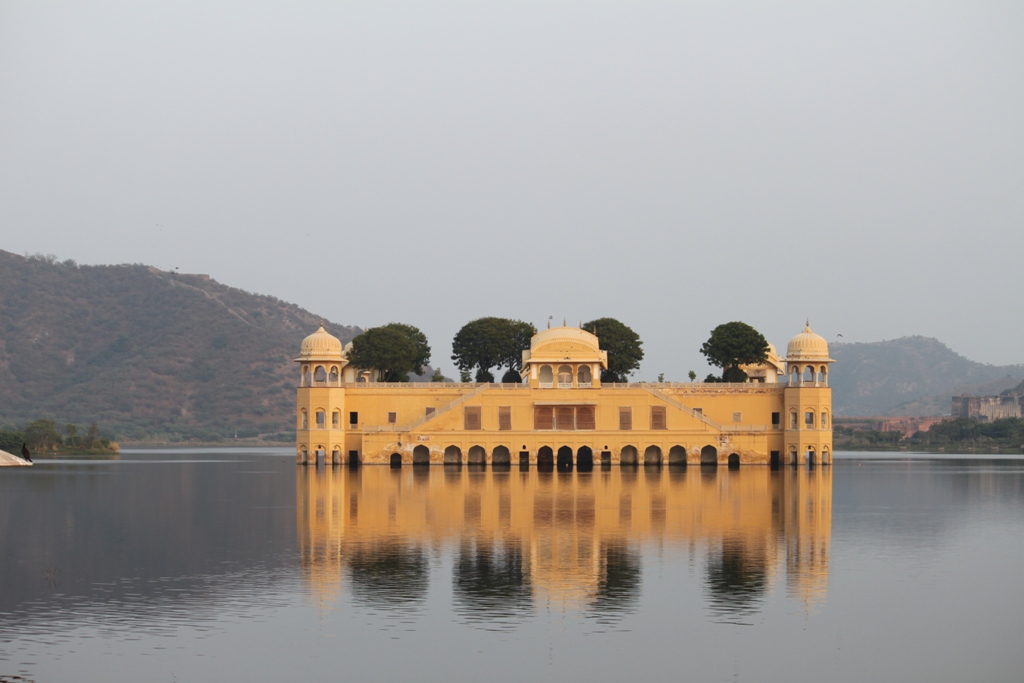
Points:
[(562, 415)]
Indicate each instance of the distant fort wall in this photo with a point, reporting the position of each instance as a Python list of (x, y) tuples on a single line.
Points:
[(988, 408)]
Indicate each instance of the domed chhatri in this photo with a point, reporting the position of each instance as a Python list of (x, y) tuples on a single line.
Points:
[(321, 345), (807, 346)]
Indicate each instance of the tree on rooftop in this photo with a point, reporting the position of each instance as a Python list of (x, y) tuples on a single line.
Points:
[(387, 350), (419, 340), (622, 344), (732, 345), (491, 342)]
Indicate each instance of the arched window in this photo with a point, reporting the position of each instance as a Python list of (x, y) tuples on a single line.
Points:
[(564, 377), (809, 374), (321, 419), (823, 376), (583, 376), (334, 374), (794, 375), (305, 376), (336, 420), (809, 419), (547, 378), (319, 375), (792, 419), (824, 420), (303, 419)]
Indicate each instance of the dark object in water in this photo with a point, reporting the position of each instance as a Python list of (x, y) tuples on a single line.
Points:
[(25, 454)]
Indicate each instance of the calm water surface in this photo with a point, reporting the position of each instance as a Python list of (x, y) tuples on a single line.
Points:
[(235, 565)]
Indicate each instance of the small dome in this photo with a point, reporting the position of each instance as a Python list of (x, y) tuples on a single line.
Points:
[(565, 335), (807, 346), (321, 345)]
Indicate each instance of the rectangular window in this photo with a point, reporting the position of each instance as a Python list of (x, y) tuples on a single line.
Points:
[(335, 419), (429, 411), (776, 420), (809, 418), (564, 418), (585, 417), (543, 417), (321, 419), (792, 419), (353, 418), (471, 418), (658, 418), (392, 418), (824, 420), (505, 418), (737, 417), (625, 418), (698, 411)]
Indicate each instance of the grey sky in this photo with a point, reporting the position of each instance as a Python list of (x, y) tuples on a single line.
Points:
[(674, 165)]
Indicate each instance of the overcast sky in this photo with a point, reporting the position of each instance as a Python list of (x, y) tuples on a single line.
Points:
[(674, 165)]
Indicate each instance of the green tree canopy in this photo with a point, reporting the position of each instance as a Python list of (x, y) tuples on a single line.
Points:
[(732, 345), (387, 350), (623, 346), (490, 342), (419, 340)]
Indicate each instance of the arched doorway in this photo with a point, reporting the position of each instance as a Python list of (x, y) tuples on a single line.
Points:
[(564, 461), (335, 457), (421, 455), (825, 459), (734, 461), (774, 460), (477, 456), (709, 456), (652, 455), (396, 460), (794, 459), (546, 458), (501, 456), (584, 459), (453, 455), (811, 461), (628, 456), (677, 456)]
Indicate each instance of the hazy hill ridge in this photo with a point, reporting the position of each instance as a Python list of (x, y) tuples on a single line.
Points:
[(146, 352), (909, 376)]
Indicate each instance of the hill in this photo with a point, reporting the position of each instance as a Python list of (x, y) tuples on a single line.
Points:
[(146, 353), (909, 376)]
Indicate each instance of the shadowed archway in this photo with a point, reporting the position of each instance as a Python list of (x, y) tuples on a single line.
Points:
[(652, 455), (545, 458), (421, 455), (453, 455), (628, 456), (584, 459), (709, 456), (564, 461)]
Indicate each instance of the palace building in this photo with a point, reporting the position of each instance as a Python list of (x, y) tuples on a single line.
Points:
[(562, 415)]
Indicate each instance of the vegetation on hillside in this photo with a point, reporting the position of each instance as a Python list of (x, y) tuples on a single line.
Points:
[(149, 354), (960, 434), (909, 376), (46, 436)]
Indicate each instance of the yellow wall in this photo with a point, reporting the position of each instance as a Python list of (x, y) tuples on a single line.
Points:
[(752, 437)]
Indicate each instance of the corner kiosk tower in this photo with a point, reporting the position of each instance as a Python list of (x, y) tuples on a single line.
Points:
[(562, 414)]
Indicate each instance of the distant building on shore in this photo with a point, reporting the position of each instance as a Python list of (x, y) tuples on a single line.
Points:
[(562, 414), (988, 408), (906, 425)]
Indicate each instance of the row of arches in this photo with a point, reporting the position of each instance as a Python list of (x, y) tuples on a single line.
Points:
[(321, 376), (565, 457), (810, 419), (813, 375), (320, 419)]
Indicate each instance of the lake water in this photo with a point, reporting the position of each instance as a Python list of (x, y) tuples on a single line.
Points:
[(233, 564)]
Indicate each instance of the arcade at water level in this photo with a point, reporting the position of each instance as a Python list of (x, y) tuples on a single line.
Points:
[(563, 415)]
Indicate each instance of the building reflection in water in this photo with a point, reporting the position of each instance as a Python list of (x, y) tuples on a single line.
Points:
[(573, 541)]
